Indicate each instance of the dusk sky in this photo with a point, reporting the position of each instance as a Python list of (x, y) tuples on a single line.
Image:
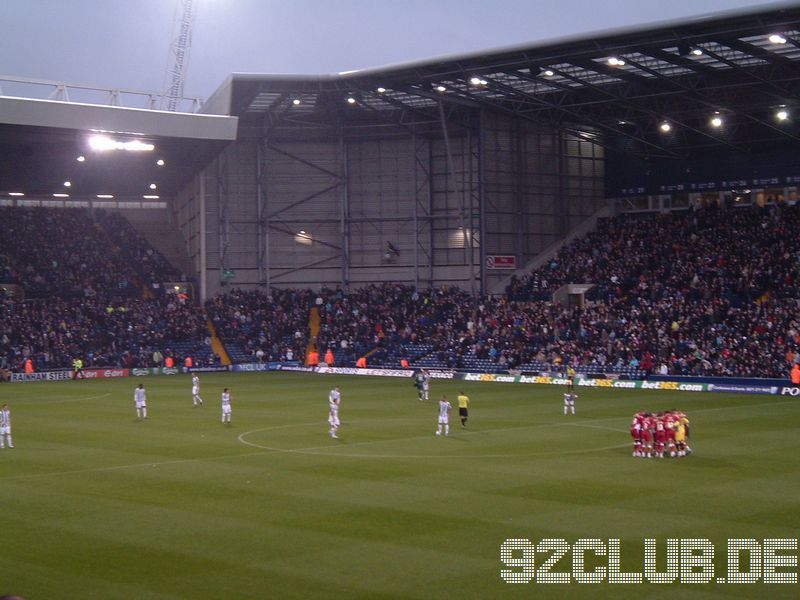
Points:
[(124, 43)]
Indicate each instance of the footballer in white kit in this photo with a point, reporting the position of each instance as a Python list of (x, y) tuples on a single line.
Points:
[(226, 406), (5, 427), (334, 399), (196, 399), (444, 416), (140, 401), (569, 402)]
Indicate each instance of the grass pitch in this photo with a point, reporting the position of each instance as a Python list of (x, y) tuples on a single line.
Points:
[(96, 504)]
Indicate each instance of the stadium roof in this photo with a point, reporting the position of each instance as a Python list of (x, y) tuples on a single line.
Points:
[(741, 68), (41, 140)]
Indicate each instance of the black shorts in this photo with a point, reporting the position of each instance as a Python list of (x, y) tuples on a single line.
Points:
[(462, 412)]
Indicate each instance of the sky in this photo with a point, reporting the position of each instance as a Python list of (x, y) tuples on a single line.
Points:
[(125, 43)]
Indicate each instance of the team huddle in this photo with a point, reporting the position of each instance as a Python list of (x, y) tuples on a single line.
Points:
[(660, 434)]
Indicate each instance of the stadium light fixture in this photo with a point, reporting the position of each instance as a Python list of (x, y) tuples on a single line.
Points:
[(16, 194), (105, 196), (296, 101), (103, 143), (716, 121), (478, 81), (151, 197), (381, 90), (548, 72), (67, 184), (351, 100), (60, 195), (153, 186), (777, 38), (697, 51), (441, 89), (615, 61), (665, 127), (782, 114), (160, 162), (81, 158)]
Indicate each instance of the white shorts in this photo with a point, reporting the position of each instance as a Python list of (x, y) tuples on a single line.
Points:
[(444, 420), (195, 391), (141, 404), (569, 402), (5, 430), (333, 418), (226, 409)]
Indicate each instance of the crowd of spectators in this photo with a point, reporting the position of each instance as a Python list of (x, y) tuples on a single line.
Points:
[(265, 327), (76, 253), (101, 330)]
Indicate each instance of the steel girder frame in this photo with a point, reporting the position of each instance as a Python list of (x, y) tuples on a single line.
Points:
[(276, 216)]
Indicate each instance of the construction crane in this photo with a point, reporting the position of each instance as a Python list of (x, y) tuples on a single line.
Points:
[(178, 61)]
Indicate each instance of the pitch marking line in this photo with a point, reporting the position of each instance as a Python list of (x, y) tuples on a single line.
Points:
[(324, 450)]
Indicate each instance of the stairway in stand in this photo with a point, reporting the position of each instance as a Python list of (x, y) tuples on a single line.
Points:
[(216, 344), (313, 330)]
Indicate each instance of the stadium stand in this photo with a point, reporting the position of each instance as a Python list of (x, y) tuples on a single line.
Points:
[(93, 289), (700, 292)]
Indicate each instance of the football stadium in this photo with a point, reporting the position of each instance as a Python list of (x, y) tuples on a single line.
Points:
[(515, 323)]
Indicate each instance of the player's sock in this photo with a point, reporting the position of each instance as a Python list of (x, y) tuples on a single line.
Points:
[(144, 412), (447, 429), (10, 443), (572, 409), (565, 410)]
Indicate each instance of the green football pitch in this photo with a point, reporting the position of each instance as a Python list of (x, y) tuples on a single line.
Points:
[(96, 504)]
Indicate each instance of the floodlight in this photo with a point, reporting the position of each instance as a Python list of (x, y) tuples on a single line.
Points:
[(67, 184), (102, 143), (381, 90), (160, 162), (105, 196), (150, 197), (615, 61), (716, 121), (16, 194), (441, 89), (81, 158), (60, 195), (697, 51), (153, 186), (296, 101), (548, 72), (665, 127), (351, 100), (782, 115), (777, 38)]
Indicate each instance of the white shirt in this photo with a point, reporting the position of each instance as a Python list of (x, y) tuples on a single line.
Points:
[(138, 395), (5, 418), (444, 408), (334, 398), (226, 398), (196, 382)]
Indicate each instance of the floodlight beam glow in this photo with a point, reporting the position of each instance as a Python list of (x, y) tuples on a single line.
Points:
[(103, 143)]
